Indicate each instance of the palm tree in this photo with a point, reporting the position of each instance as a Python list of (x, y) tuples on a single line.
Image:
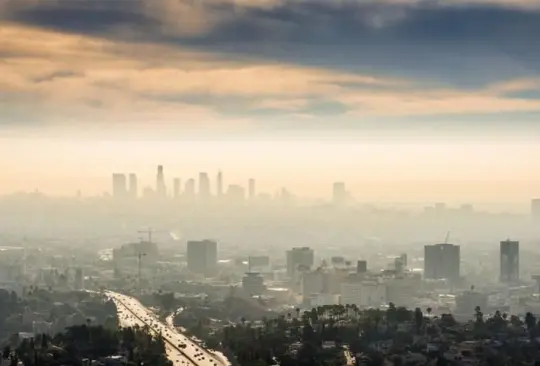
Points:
[(530, 321), (479, 316), (418, 319)]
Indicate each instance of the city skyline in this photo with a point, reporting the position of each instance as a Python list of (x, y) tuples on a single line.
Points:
[(423, 172)]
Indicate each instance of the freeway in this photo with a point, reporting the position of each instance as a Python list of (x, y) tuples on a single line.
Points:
[(181, 349)]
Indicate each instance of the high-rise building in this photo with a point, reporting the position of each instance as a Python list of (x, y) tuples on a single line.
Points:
[(119, 185), (251, 189), (509, 252), (535, 209), (79, 279), (189, 188), (202, 257), (442, 261), (133, 186), (219, 184), (404, 260), (253, 284), (161, 189), (176, 187), (339, 193), (313, 282), (361, 267), (299, 257), (204, 185)]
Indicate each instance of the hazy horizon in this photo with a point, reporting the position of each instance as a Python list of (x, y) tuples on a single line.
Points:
[(392, 172)]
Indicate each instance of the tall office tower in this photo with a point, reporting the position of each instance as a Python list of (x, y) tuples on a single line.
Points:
[(404, 260), (189, 188), (133, 186), (535, 209), (119, 185), (204, 185), (509, 261), (176, 187), (161, 189), (339, 193), (442, 261), (202, 257), (219, 184), (251, 189), (361, 267), (299, 257)]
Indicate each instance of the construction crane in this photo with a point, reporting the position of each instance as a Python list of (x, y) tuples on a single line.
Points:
[(140, 255), (148, 232), (447, 237)]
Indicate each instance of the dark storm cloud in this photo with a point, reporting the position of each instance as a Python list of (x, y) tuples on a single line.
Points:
[(465, 44), (84, 16)]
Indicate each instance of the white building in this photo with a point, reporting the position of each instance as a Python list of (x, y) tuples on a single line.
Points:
[(299, 257), (253, 284), (363, 294), (312, 283), (402, 290), (323, 299)]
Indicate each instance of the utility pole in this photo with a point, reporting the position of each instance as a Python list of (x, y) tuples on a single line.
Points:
[(139, 257)]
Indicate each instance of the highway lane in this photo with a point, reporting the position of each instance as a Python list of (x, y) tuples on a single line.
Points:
[(216, 354), (181, 349)]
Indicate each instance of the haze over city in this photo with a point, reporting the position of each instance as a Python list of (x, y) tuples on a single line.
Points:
[(269, 182)]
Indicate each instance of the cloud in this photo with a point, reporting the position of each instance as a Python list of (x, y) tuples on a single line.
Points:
[(58, 74), (466, 43), (224, 62)]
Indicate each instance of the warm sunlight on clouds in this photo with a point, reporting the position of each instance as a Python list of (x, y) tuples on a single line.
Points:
[(76, 78)]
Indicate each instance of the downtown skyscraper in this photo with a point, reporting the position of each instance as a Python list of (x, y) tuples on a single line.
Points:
[(119, 185), (161, 189), (219, 184), (204, 185)]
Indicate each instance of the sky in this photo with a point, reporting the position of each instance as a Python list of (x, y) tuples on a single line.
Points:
[(396, 91)]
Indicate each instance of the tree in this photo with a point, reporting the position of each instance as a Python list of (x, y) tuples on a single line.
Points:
[(418, 319), (515, 321), (478, 315), (391, 315), (447, 320), (530, 321)]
